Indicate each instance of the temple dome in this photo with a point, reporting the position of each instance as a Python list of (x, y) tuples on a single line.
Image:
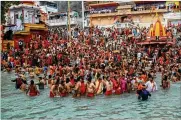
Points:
[(157, 29)]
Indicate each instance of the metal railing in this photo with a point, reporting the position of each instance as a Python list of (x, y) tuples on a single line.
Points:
[(62, 21)]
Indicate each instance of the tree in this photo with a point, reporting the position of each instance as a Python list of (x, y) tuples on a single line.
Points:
[(4, 8)]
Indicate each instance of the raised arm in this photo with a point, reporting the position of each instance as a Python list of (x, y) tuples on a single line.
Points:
[(28, 90), (13, 80)]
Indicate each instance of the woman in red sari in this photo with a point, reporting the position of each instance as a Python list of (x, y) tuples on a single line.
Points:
[(32, 89)]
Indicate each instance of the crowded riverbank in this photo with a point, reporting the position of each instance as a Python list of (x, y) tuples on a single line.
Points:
[(83, 66)]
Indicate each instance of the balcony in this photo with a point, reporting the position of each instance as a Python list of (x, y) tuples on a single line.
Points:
[(127, 12), (62, 22), (148, 11), (103, 4)]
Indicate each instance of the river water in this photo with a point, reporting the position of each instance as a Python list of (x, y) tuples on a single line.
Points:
[(163, 104)]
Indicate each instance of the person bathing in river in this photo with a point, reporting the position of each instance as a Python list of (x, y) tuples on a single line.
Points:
[(83, 86), (123, 84), (109, 87), (41, 83), (144, 94), (50, 81), (165, 82), (32, 89), (63, 89), (77, 88), (151, 85), (54, 89), (19, 81), (91, 88), (99, 86), (139, 88)]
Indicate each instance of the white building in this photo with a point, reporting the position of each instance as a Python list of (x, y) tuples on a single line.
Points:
[(23, 13), (173, 18), (61, 19), (47, 6)]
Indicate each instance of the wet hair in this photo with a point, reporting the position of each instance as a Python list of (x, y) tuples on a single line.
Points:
[(57, 81), (49, 76), (62, 83), (78, 78), (98, 75), (31, 82), (71, 77), (67, 80), (89, 79)]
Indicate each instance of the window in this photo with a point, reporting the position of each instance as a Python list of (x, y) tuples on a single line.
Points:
[(54, 5), (16, 16)]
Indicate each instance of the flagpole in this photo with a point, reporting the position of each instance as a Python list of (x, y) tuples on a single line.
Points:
[(68, 20), (83, 14)]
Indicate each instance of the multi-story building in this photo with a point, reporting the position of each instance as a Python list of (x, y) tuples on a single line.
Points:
[(47, 6), (86, 14), (59, 20), (137, 12), (174, 16), (24, 24)]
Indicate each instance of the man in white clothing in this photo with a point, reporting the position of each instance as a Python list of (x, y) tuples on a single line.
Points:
[(151, 85)]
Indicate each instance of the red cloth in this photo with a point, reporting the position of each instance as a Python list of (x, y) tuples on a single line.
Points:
[(63, 94), (108, 93), (72, 81), (33, 94), (90, 95), (115, 85), (59, 56), (33, 91), (51, 95), (118, 91), (82, 88)]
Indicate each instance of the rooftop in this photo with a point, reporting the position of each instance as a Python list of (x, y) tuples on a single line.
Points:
[(23, 6), (104, 4)]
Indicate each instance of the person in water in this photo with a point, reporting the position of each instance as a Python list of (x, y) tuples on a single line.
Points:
[(77, 88), (139, 88), (151, 85), (165, 82), (91, 88), (99, 86), (144, 94), (109, 87), (19, 81), (82, 86), (41, 83), (32, 89), (63, 89), (54, 89)]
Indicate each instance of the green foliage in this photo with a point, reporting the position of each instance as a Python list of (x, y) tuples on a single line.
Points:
[(4, 8)]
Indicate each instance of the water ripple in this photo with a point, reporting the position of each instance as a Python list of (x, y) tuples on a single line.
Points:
[(163, 104)]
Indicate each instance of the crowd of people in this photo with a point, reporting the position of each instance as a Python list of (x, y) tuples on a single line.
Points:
[(83, 64)]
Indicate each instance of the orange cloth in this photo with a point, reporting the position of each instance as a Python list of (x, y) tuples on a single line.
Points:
[(144, 77), (140, 87)]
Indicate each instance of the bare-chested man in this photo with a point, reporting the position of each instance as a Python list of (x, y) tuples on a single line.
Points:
[(99, 86), (54, 89), (90, 88), (109, 87)]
